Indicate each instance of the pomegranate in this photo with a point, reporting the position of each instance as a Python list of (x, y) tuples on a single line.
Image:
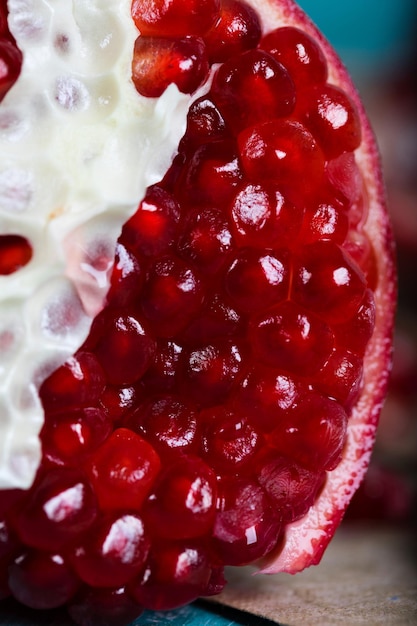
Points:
[(222, 408)]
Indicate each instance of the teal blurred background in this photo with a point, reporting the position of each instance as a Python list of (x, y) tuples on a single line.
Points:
[(372, 36)]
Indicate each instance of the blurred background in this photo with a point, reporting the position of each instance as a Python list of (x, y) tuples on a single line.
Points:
[(377, 40)]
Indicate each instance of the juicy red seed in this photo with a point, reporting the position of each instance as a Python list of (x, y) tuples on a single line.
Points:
[(158, 62), (216, 321), (257, 279), (162, 375), (153, 227), (125, 348), (172, 296), (186, 496), (270, 394), (252, 88), (291, 339), (332, 118), (211, 176), (211, 372), (110, 607), (15, 253), (237, 30), (177, 573), (316, 443), (345, 177), (291, 488), (59, 507), (262, 216), (327, 281), (229, 440), (298, 53), (324, 219), (117, 401), (355, 333), (70, 436), (280, 152), (175, 18), (9, 544), (112, 553), (41, 580), (77, 383), (341, 378), (10, 65), (204, 123), (168, 423), (245, 528), (123, 471), (126, 279), (359, 247), (205, 240)]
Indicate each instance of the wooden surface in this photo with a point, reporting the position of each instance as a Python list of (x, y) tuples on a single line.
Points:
[(367, 576)]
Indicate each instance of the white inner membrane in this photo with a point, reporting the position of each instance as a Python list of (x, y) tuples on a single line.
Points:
[(78, 147)]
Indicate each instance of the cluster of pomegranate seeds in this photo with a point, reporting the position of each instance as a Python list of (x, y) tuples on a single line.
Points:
[(212, 396), (10, 55)]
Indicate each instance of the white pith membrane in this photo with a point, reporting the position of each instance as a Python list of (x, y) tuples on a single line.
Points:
[(84, 219)]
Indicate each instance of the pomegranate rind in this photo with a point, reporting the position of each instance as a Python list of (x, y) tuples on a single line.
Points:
[(306, 539)]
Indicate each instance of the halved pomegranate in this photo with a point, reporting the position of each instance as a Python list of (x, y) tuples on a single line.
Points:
[(222, 409)]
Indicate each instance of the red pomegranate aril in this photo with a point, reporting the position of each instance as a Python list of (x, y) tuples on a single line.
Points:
[(69, 437), (159, 61), (245, 527), (162, 375), (291, 488), (341, 378), (41, 580), (324, 219), (58, 508), (316, 443), (126, 348), (252, 88), (112, 553), (211, 176), (15, 250), (109, 607), (355, 333), (257, 279), (177, 573), (262, 216), (344, 175), (237, 30), (298, 53), (279, 152), (77, 383), (332, 118), (229, 440), (328, 282), (10, 65), (168, 423), (205, 240), (359, 247), (270, 394), (291, 339), (204, 123), (216, 321), (210, 372), (175, 18), (126, 279), (172, 296), (186, 496), (153, 227), (123, 471), (117, 401)]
